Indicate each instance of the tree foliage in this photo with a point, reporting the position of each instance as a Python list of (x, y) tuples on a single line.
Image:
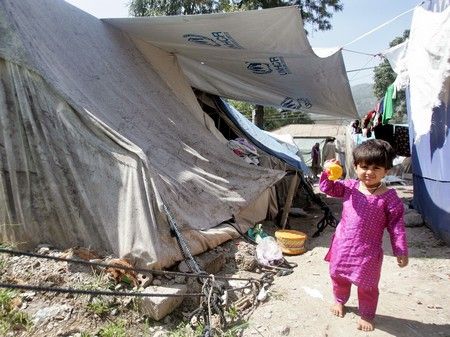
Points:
[(385, 76), (273, 118), (317, 13)]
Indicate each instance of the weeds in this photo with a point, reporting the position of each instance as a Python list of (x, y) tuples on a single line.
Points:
[(11, 318), (100, 307), (113, 329), (3, 263), (97, 282), (184, 330)]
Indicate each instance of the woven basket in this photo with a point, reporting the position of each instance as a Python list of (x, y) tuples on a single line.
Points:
[(291, 242)]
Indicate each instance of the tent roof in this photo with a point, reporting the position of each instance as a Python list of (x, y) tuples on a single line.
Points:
[(260, 56)]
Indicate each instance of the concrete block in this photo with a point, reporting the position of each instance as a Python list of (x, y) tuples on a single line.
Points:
[(159, 307)]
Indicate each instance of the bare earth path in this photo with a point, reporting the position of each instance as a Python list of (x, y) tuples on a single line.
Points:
[(414, 301)]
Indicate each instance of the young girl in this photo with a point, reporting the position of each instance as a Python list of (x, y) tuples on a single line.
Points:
[(369, 207)]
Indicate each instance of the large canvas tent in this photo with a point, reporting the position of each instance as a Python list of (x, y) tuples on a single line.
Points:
[(98, 130)]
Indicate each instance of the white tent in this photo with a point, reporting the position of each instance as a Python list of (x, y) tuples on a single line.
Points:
[(94, 138), (260, 56)]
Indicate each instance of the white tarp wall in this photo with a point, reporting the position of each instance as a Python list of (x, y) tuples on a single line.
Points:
[(423, 67), (261, 57), (92, 139)]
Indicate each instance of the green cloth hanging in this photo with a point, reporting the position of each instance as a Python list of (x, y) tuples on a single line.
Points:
[(388, 104)]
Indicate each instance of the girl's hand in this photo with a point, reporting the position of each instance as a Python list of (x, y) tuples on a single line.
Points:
[(334, 161), (402, 261)]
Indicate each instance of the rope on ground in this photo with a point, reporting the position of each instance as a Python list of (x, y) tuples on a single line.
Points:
[(103, 292), (92, 292), (210, 310), (105, 265)]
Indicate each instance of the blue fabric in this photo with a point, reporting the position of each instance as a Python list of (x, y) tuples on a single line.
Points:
[(262, 140), (431, 170)]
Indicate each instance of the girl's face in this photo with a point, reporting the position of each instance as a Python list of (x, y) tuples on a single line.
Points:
[(370, 175)]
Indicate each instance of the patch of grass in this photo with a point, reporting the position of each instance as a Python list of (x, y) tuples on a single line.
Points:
[(113, 329), (7, 245), (97, 282), (235, 331), (99, 306), (11, 319), (232, 312), (184, 330), (3, 263), (6, 297)]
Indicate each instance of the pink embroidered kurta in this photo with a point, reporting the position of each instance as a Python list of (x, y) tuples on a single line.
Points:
[(356, 249)]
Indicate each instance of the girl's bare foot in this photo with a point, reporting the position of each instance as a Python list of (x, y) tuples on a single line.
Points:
[(365, 325), (338, 309)]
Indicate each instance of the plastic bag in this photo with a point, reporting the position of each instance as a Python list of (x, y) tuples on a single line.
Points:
[(268, 252)]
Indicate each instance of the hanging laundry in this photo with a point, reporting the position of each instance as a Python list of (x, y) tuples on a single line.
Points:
[(401, 141), (388, 106), (385, 132)]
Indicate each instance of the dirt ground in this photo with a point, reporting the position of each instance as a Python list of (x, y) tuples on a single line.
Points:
[(414, 301)]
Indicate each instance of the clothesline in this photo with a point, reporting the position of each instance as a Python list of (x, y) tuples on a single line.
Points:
[(382, 25)]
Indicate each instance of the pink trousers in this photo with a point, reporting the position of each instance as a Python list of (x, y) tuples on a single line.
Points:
[(367, 297)]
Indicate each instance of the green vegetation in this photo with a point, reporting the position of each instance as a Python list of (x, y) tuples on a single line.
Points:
[(316, 14), (114, 329), (98, 282), (100, 307), (11, 319), (273, 118)]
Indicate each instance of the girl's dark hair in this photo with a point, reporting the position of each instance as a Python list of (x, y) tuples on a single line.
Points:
[(374, 152)]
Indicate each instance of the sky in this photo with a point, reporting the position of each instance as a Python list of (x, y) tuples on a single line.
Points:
[(357, 18)]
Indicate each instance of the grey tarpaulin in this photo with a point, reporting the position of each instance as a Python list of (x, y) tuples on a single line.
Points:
[(92, 139)]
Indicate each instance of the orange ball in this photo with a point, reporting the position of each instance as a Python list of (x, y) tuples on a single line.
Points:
[(334, 171)]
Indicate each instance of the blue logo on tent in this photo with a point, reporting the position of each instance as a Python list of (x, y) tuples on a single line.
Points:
[(217, 39), (296, 103), (259, 68), (200, 39), (226, 39), (276, 63), (279, 65)]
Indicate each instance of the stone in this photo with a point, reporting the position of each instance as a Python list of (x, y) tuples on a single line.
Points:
[(285, 330), (144, 280), (156, 282), (48, 313), (413, 219), (159, 307)]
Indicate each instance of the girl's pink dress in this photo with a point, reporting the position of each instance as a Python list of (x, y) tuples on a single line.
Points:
[(356, 252)]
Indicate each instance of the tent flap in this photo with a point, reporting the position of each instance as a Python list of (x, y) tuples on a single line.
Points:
[(261, 56)]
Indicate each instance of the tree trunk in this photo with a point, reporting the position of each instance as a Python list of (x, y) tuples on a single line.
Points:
[(259, 116)]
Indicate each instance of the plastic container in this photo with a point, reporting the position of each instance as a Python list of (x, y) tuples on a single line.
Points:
[(291, 242), (334, 171)]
